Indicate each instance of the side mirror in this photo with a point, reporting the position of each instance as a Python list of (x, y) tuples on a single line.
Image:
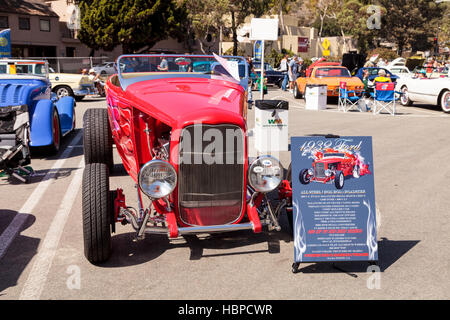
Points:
[(53, 96)]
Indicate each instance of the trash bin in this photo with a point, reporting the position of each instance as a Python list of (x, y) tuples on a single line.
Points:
[(316, 96), (271, 125)]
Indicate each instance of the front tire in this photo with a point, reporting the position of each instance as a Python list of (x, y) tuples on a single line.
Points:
[(56, 133), (289, 210), (63, 91), (97, 138), (404, 99), (445, 101), (297, 94), (304, 178), (356, 172), (97, 208), (339, 180)]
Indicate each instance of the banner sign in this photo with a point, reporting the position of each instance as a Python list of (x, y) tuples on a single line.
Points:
[(303, 43), (334, 199), (257, 50), (5, 43)]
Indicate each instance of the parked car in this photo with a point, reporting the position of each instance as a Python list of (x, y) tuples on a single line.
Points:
[(71, 84), (431, 89), (373, 73), (106, 68), (400, 71), (182, 138), (26, 82), (332, 166), (273, 76), (330, 74)]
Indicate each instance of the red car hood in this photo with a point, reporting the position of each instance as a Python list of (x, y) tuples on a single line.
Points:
[(182, 101)]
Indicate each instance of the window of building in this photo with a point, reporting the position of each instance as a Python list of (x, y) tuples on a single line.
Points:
[(4, 22), (24, 23), (70, 52), (45, 25)]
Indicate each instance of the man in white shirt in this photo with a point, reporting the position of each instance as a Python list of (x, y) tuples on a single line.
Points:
[(284, 69)]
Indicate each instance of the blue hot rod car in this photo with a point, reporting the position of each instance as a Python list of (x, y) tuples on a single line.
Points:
[(26, 83)]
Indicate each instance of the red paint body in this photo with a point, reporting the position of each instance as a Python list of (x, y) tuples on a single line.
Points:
[(168, 105)]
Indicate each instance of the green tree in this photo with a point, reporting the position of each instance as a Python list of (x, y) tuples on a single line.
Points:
[(411, 23), (134, 24), (204, 18), (207, 17)]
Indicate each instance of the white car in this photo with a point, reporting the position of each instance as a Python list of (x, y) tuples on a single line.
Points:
[(105, 68), (433, 89), (400, 71), (71, 84)]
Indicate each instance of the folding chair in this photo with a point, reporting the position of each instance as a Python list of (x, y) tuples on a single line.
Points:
[(384, 98), (347, 98)]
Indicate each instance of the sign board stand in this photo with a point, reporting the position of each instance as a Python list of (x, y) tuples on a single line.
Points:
[(334, 218), (263, 29)]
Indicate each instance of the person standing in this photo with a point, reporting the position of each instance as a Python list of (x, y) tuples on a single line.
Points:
[(284, 69), (299, 67), (164, 65), (292, 72), (251, 69)]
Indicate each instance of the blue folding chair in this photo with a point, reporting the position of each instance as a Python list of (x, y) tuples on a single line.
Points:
[(347, 98), (384, 97)]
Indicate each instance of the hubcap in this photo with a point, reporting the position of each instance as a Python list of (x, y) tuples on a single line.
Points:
[(404, 97), (62, 92), (446, 102)]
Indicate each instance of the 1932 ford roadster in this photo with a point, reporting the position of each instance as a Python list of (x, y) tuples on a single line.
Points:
[(182, 137), (332, 165)]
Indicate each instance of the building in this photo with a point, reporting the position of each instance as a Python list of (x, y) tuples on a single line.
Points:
[(303, 41), (34, 28), (44, 29)]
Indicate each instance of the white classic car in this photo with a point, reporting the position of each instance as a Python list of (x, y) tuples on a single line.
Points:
[(400, 71), (106, 68), (71, 84), (430, 89)]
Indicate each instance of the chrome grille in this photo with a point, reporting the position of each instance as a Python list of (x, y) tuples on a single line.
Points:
[(211, 174), (319, 170)]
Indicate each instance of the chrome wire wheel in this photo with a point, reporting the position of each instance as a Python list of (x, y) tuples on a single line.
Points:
[(445, 102)]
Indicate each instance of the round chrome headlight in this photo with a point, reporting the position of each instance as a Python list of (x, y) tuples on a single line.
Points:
[(157, 179), (328, 173), (265, 174)]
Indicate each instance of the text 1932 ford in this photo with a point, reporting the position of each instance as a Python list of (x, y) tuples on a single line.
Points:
[(333, 166), (182, 138)]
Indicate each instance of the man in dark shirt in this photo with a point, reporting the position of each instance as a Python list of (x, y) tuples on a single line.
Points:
[(251, 70)]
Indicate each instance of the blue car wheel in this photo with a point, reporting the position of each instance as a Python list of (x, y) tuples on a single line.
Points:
[(56, 133)]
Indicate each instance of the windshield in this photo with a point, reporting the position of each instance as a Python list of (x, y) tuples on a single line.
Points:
[(334, 155), (167, 66), (35, 68), (267, 67), (332, 72)]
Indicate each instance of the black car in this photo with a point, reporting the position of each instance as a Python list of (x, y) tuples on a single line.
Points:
[(273, 76)]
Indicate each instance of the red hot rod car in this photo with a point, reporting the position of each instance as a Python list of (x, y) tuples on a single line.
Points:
[(333, 166), (182, 136)]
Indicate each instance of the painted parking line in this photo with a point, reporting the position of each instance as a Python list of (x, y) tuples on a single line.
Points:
[(38, 275), (19, 220)]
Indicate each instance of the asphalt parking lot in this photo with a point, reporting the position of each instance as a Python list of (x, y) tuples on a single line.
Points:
[(41, 245)]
